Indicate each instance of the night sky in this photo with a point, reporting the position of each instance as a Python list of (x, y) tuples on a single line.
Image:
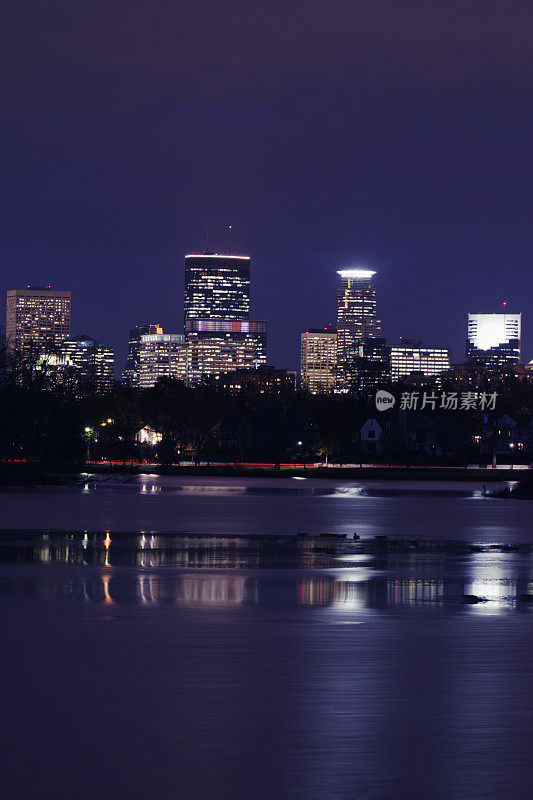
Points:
[(392, 134)]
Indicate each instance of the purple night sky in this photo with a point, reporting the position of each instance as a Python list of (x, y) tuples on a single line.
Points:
[(391, 134)]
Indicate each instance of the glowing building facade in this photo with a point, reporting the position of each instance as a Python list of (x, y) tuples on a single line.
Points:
[(414, 359), (318, 359), (37, 318), (217, 287), (132, 372), (89, 363), (162, 355), (356, 316), (218, 330), (494, 339)]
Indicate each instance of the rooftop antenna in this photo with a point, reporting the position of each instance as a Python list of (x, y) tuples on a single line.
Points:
[(229, 237)]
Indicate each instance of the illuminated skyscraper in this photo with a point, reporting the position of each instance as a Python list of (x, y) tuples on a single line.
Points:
[(133, 361), (356, 316), (494, 339), (371, 367), (37, 317), (319, 359), (217, 287), (218, 328)]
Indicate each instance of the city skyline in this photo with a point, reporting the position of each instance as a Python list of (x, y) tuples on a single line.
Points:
[(269, 585), (401, 158), (358, 276)]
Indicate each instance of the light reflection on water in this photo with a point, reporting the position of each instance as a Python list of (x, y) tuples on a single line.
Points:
[(313, 572)]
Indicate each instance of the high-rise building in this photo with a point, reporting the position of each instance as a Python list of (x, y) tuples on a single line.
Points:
[(318, 359), (220, 334), (222, 345), (37, 318), (371, 366), (216, 287), (133, 361), (216, 353), (494, 339), (162, 355), (89, 362), (412, 359), (356, 316)]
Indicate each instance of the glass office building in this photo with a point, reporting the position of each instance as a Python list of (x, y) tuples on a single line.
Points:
[(132, 372), (356, 316), (37, 317), (494, 340), (89, 362), (162, 355), (412, 358), (318, 359), (217, 287), (218, 329)]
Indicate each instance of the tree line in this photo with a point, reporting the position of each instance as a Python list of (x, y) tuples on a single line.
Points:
[(52, 419)]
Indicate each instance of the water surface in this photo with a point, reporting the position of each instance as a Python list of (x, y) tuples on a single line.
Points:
[(242, 660)]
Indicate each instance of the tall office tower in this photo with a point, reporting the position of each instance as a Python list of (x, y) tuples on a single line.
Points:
[(89, 362), (217, 287), (356, 316), (218, 329), (37, 318), (494, 339), (371, 366), (318, 359), (133, 361), (162, 355), (412, 359)]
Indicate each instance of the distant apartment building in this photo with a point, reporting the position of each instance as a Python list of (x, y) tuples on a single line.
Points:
[(162, 355), (89, 362), (318, 359), (132, 372), (494, 340), (412, 358), (37, 318)]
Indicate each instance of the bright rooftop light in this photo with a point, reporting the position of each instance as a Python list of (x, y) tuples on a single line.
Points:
[(356, 272)]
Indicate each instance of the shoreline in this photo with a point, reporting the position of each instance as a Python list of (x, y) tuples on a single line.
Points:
[(32, 475)]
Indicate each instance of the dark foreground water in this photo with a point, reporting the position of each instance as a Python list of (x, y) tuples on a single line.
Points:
[(263, 664)]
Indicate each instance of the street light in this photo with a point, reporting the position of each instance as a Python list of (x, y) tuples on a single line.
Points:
[(88, 435)]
